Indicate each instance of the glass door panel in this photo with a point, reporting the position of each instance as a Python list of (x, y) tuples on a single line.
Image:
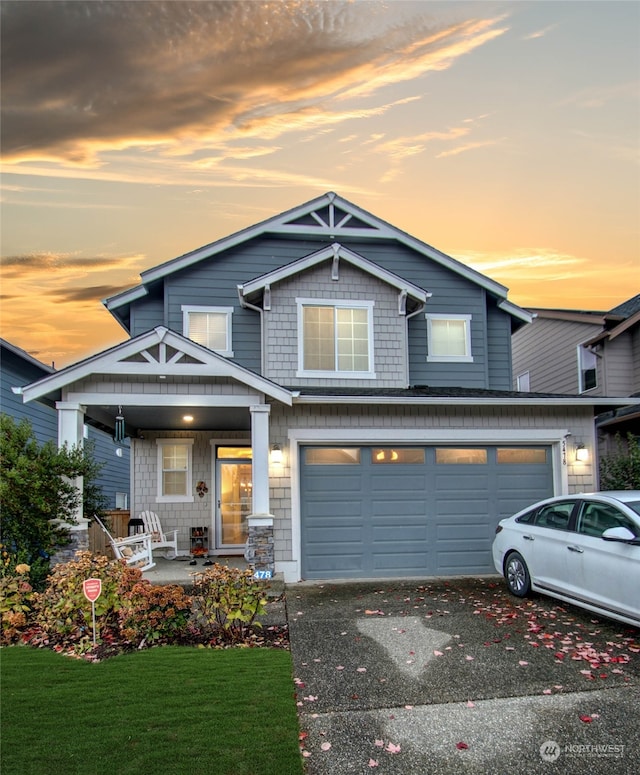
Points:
[(234, 503)]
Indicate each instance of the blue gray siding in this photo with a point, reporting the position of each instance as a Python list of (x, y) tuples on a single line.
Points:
[(214, 282), (16, 372)]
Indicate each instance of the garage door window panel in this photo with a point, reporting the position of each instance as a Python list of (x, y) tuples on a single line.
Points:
[(332, 456), (460, 456), (397, 456), (521, 456)]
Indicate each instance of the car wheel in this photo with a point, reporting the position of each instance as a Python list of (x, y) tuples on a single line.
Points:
[(517, 576)]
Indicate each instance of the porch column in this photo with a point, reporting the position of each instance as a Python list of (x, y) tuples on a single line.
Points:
[(259, 549), (260, 459), (71, 433)]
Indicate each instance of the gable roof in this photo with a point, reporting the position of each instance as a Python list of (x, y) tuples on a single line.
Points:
[(334, 252), (615, 322), (329, 216), (24, 356), (159, 352)]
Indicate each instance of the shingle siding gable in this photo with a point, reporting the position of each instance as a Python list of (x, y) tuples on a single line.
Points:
[(281, 324)]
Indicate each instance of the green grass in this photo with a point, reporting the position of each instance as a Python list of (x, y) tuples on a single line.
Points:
[(164, 711)]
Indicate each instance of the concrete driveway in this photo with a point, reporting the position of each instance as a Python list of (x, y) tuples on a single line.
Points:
[(458, 676)]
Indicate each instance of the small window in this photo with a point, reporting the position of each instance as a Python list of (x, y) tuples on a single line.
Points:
[(587, 369), (555, 515), (457, 456), (209, 326), (398, 455), (333, 456), (521, 456), (335, 338), (449, 338), (523, 382), (174, 470)]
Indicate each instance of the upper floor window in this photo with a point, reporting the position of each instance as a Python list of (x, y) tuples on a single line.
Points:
[(523, 382), (335, 338), (449, 338), (587, 369), (208, 326), (174, 470)]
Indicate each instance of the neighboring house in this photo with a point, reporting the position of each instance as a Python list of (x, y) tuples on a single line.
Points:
[(334, 388), (590, 353), (18, 368)]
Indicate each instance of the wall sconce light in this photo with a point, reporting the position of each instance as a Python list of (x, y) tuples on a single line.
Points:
[(582, 454), (276, 455)]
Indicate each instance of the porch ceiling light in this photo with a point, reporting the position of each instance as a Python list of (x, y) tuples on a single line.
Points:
[(276, 455), (188, 418), (582, 454)]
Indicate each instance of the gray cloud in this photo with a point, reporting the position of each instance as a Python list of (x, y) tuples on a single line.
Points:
[(28, 264), (92, 293), (81, 77)]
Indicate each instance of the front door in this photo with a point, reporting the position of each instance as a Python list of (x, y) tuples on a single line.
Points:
[(234, 496)]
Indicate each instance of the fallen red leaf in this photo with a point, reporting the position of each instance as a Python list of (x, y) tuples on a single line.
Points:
[(586, 719), (461, 746)]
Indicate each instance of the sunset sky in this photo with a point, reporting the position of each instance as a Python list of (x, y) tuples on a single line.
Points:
[(505, 134)]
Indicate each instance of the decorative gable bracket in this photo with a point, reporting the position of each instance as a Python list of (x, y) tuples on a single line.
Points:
[(334, 253)]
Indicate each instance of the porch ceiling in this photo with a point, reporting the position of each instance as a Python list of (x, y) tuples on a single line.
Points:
[(139, 419)]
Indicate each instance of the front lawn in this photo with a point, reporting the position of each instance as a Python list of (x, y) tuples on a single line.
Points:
[(168, 710)]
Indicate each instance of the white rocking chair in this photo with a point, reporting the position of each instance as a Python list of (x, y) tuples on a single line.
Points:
[(134, 550), (159, 539)]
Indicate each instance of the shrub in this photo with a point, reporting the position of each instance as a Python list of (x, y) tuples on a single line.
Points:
[(154, 614), (621, 469), (15, 602), (229, 600), (129, 612), (63, 612), (38, 494)]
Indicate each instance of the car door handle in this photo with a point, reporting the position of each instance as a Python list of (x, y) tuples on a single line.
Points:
[(527, 538), (575, 549)]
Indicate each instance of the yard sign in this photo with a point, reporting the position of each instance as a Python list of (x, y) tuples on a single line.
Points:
[(92, 589)]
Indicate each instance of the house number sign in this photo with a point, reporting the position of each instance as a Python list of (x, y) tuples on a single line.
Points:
[(92, 589)]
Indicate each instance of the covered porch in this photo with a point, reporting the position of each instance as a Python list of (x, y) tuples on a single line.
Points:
[(198, 426)]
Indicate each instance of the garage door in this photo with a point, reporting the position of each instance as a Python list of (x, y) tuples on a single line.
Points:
[(369, 512)]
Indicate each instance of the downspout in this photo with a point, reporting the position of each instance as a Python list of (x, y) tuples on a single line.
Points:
[(247, 305), (417, 311)]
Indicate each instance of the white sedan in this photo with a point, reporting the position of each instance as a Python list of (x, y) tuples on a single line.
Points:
[(583, 549)]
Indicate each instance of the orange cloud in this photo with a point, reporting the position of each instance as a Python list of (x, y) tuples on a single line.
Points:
[(92, 79)]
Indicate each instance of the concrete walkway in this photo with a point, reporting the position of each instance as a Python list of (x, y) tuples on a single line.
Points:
[(449, 677)]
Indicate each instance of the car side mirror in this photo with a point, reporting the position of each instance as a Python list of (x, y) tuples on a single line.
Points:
[(618, 534)]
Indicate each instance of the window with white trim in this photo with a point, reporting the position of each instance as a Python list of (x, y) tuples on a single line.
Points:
[(523, 382), (175, 458), (449, 338), (587, 369), (208, 326), (335, 338)]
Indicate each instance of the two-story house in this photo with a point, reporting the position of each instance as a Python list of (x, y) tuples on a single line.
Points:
[(335, 383), (18, 368), (588, 353)]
